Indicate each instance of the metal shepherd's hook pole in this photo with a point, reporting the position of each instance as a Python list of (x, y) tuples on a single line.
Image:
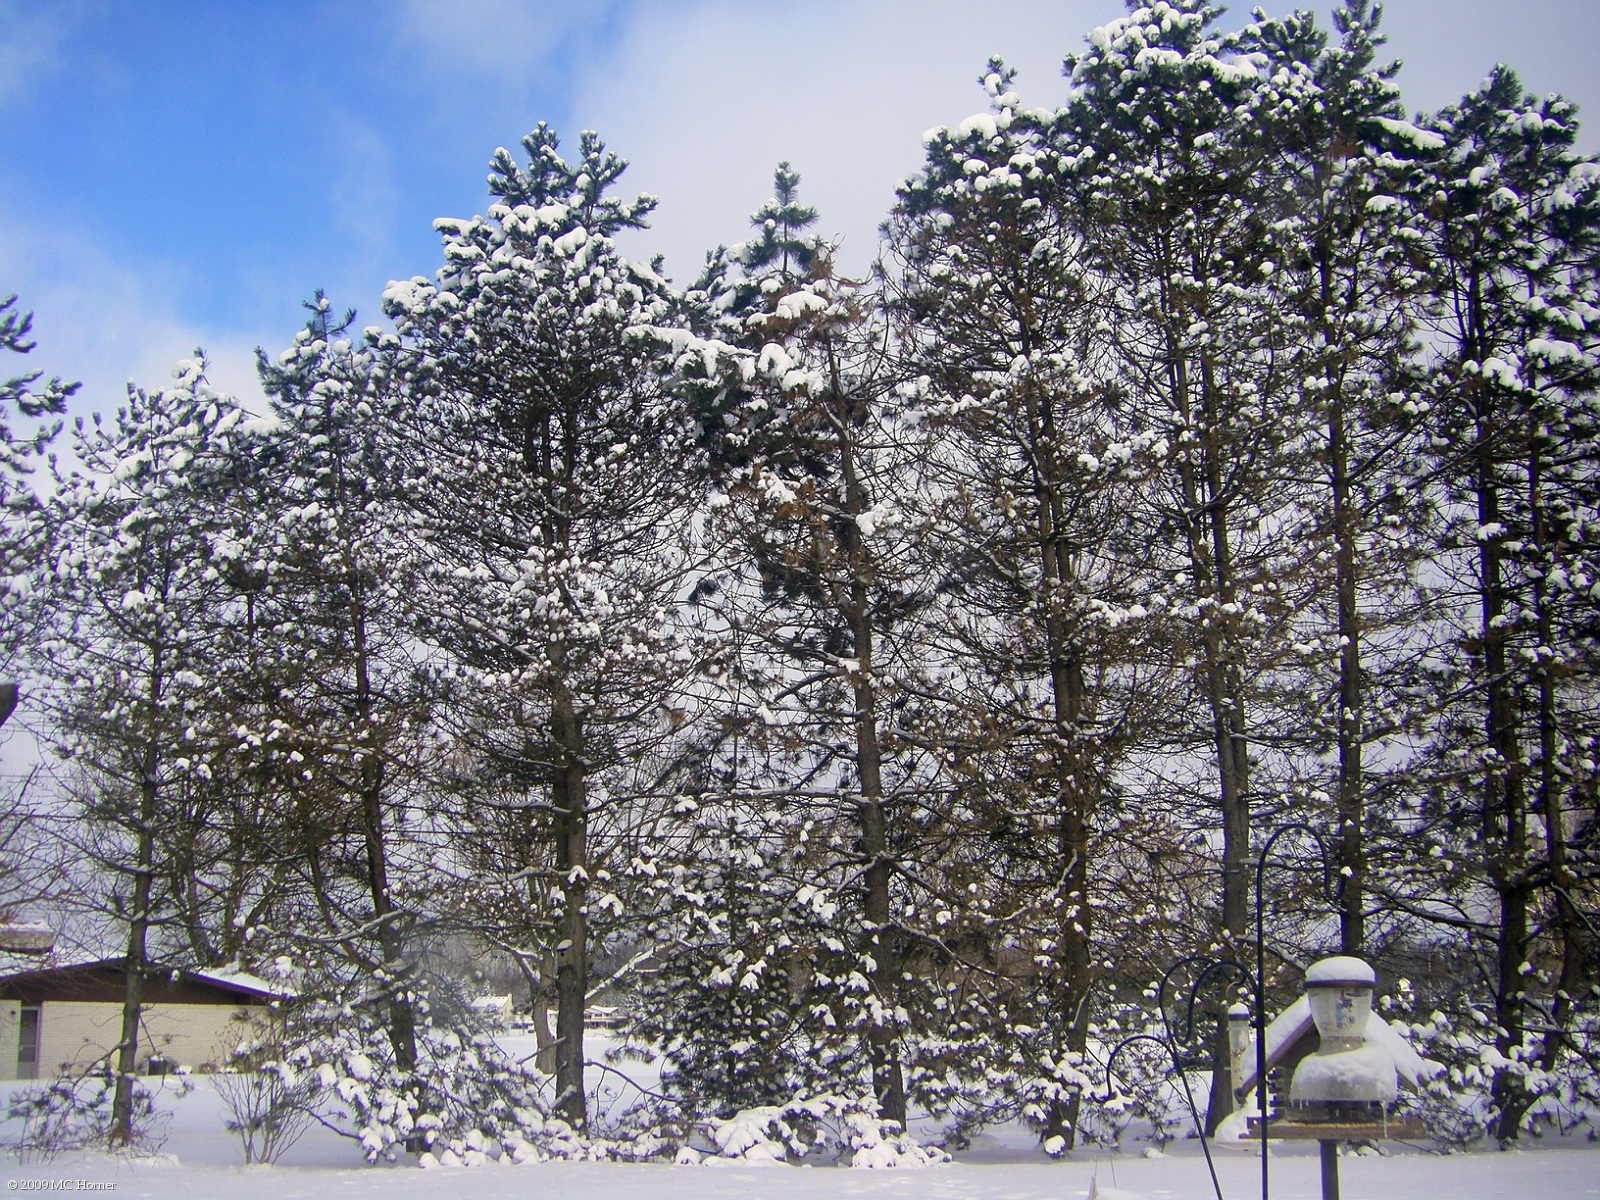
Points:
[(1262, 1099), (1172, 1040)]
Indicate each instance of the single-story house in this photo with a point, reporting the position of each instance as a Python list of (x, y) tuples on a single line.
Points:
[(494, 1009), (58, 1020)]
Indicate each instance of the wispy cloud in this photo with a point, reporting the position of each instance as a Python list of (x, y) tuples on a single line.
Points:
[(705, 99), (103, 322), (364, 200), (31, 37), (497, 37)]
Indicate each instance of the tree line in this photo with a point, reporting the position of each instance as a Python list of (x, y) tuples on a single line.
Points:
[(882, 681)]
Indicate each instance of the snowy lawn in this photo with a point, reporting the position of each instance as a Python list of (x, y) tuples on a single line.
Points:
[(197, 1165), (201, 1160)]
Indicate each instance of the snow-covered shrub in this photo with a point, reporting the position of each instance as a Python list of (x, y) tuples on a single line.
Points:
[(1456, 1106), (824, 1128), (464, 1095), (748, 1006), (995, 1059), (1572, 1095), (646, 1132), (1142, 1086), (1556, 1083), (332, 1056), (74, 1113)]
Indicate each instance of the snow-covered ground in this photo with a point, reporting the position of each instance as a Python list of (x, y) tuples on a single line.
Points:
[(201, 1160)]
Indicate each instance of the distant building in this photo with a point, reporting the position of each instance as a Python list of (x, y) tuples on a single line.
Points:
[(603, 1016), (494, 1009), (63, 1020)]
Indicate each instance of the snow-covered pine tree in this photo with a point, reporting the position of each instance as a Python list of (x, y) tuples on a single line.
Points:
[(27, 873), (331, 697), (1349, 286), (22, 393), (20, 527), (1048, 627), (784, 251), (136, 576), (552, 489), (818, 522), (1514, 235), (1174, 171)]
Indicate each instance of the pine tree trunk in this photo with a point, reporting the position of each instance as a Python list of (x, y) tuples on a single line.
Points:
[(1075, 790), (1504, 818), (1073, 927), (572, 962), (1233, 759), (1571, 932), (544, 1041), (1211, 560), (121, 1130), (402, 1020), (888, 1079), (1351, 804)]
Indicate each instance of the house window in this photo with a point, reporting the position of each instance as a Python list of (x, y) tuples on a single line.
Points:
[(28, 1043)]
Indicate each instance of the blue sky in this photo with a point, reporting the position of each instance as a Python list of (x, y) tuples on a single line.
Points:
[(174, 174)]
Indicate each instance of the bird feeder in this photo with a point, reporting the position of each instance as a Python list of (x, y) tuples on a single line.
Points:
[(1349, 1065), (1346, 1077)]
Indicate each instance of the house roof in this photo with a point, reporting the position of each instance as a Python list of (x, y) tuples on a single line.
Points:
[(105, 981), (26, 937)]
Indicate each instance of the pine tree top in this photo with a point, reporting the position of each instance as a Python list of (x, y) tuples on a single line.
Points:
[(782, 244)]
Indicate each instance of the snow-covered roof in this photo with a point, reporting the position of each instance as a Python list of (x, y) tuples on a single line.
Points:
[(26, 937), (1295, 1022), (1413, 1068), (102, 980), (241, 979), (1366, 1073), (1286, 1029)]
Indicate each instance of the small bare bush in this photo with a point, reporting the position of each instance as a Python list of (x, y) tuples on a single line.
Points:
[(74, 1113), (270, 1103)]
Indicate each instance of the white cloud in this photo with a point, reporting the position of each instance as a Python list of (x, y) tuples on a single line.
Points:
[(101, 321), (497, 37), (705, 99), (363, 198), (704, 96)]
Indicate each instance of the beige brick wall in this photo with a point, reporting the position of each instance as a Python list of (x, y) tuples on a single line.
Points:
[(10, 1018), (74, 1035)]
